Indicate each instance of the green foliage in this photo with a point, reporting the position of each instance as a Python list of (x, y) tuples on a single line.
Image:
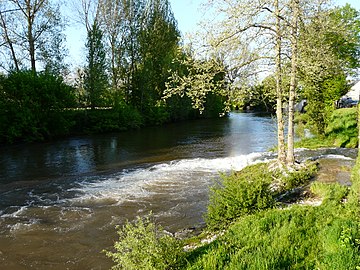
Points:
[(329, 53), (341, 131), (262, 97), (198, 80), (297, 238), (143, 245), (342, 128), (95, 77), (297, 178), (32, 106), (330, 193), (239, 194), (321, 97), (251, 190), (107, 120)]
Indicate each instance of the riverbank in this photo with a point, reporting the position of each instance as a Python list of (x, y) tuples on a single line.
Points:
[(261, 230), (318, 229), (322, 234), (256, 220)]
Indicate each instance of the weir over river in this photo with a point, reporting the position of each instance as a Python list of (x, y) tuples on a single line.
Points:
[(60, 201)]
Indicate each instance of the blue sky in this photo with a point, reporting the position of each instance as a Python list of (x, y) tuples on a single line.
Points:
[(188, 14)]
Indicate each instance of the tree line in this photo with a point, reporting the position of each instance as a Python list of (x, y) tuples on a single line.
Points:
[(132, 48)]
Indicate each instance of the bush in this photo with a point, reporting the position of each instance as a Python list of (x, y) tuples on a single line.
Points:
[(293, 179), (341, 131), (241, 193), (32, 106), (143, 245)]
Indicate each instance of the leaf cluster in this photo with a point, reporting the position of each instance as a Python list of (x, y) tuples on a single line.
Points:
[(144, 245)]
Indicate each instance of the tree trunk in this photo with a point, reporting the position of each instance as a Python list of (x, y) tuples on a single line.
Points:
[(31, 40), (279, 92), (290, 159), (9, 42)]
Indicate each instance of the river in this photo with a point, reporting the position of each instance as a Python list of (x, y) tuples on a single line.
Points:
[(60, 201)]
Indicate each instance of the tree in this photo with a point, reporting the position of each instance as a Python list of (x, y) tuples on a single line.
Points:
[(295, 9), (8, 41), (95, 77), (329, 50), (256, 30), (28, 27), (158, 45), (112, 16), (200, 79)]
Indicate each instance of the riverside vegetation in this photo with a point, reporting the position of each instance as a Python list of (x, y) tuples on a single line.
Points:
[(254, 228)]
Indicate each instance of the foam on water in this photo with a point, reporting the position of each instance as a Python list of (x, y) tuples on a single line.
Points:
[(142, 182), (332, 156)]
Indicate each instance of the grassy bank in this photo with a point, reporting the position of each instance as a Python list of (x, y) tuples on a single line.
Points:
[(257, 231), (341, 131)]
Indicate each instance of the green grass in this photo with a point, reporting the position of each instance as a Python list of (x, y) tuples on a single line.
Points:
[(298, 237), (341, 131)]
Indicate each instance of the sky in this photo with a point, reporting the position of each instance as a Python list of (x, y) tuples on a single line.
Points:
[(188, 14)]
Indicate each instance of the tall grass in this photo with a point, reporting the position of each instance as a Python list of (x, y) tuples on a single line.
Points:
[(298, 237)]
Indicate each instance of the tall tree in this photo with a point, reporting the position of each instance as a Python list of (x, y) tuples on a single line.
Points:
[(279, 89), (112, 16), (95, 77), (159, 42), (329, 50), (257, 30), (8, 39), (294, 28), (28, 28)]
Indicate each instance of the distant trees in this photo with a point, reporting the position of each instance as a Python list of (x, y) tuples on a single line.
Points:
[(141, 40), (32, 106), (198, 80), (132, 48), (135, 60)]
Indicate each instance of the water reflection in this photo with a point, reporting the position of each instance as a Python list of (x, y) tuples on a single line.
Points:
[(237, 134)]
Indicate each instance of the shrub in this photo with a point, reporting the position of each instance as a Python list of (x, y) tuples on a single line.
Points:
[(293, 179), (32, 106), (241, 193), (334, 192), (143, 245)]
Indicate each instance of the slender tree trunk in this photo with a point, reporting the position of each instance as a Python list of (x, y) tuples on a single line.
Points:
[(9, 42), (279, 92), (290, 159), (31, 40), (114, 78)]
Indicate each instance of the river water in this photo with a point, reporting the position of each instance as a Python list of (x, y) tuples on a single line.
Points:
[(60, 201)]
